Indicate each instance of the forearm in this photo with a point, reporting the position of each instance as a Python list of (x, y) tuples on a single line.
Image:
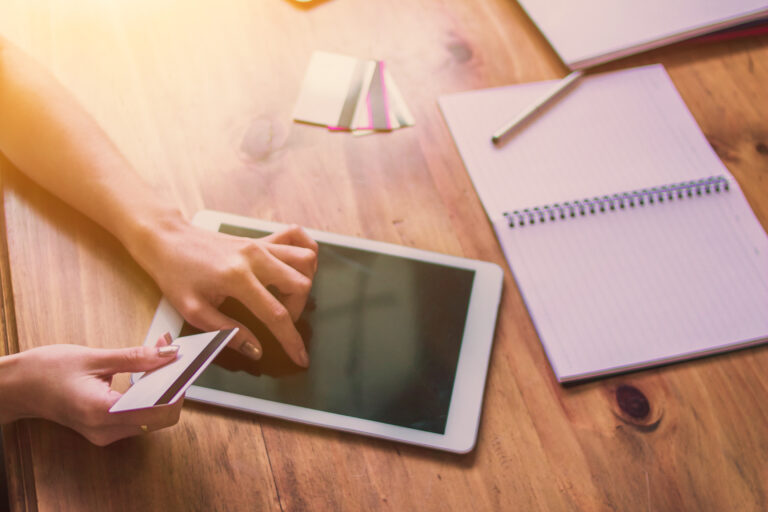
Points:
[(48, 136)]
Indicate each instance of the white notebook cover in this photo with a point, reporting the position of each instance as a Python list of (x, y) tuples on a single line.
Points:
[(594, 31)]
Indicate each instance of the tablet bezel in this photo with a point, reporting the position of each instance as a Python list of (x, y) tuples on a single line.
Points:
[(469, 385)]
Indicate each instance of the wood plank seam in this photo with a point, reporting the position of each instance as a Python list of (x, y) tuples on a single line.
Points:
[(271, 470)]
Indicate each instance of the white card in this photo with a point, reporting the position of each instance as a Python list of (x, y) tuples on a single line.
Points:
[(331, 82), (168, 383)]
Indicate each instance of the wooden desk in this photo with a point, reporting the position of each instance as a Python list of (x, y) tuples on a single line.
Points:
[(180, 85)]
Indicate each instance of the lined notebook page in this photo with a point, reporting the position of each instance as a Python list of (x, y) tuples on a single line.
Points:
[(619, 290), (610, 133), (622, 289)]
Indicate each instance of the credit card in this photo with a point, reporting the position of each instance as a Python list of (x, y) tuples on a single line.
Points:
[(168, 383)]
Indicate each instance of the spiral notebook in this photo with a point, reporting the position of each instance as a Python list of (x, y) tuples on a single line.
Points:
[(630, 241)]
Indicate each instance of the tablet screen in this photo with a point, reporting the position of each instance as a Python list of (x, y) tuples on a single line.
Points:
[(383, 335)]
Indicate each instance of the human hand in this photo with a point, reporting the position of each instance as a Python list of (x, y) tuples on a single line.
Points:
[(70, 385), (272, 276)]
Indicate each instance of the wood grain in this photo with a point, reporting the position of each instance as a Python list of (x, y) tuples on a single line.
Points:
[(198, 95)]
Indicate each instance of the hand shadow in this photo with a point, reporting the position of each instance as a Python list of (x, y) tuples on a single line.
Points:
[(274, 361)]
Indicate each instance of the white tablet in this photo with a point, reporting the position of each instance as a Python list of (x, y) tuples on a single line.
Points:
[(398, 340)]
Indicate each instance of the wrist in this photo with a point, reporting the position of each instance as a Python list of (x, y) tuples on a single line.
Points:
[(13, 403), (147, 233)]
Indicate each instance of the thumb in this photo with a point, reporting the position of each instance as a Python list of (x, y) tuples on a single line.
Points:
[(133, 359)]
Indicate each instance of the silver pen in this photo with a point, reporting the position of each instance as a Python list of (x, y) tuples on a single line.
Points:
[(505, 130)]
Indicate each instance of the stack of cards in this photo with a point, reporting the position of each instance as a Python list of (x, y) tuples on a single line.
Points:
[(350, 94)]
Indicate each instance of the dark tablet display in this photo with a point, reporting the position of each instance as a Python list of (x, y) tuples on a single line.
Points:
[(383, 334)]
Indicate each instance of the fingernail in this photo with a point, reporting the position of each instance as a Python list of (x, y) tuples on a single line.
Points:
[(250, 350), (168, 350), (167, 338), (304, 358)]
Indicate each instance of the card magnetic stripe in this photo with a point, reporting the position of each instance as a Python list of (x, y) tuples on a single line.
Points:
[(192, 368)]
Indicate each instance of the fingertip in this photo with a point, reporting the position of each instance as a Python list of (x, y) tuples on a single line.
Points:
[(314, 245), (298, 354), (303, 358), (134, 359), (247, 344), (164, 346), (168, 350), (157, 356), (251, 350), (147, 354), (244, 341)]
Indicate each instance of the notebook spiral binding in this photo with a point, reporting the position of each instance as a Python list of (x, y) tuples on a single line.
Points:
[(616, 202)]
